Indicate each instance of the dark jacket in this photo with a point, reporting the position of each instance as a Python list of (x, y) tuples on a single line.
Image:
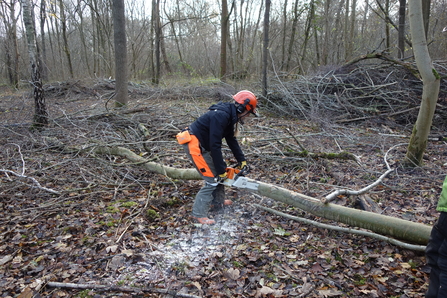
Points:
[(213, 126)]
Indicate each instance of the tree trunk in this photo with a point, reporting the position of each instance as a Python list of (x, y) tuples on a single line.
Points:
[(426, 15), (223, 39), (65, 38), (296, 16), (346, 29), (265, 56), (157, 31), (381, 224), (119, 34), (9, 17), (40, 109), (387, 24), (43, 18), (85, 54), (401, 33), (309, 25), (430, 89), (176, 38), (284, 34)]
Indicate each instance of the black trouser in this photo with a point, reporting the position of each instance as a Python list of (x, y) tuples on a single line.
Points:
[(436, 253)]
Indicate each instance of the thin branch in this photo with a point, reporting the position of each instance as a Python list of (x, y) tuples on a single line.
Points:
[(119, 289), (32, 179), (330, 197), (345, 230), (296, 139)]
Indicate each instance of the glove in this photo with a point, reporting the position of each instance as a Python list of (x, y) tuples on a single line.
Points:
[(221, 177), (244, 167)]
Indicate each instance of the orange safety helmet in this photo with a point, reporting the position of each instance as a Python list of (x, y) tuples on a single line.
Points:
[(247, 102)]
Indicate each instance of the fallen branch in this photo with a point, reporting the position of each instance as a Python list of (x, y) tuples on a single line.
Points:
[(381, 224), (22, 174), (118, 289), (345, 230), (32, 179), (330, 197)]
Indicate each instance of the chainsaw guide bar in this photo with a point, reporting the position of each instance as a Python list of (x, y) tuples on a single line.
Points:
[(235, 179)]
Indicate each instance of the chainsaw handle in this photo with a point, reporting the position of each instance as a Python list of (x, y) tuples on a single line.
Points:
[(245, 170)]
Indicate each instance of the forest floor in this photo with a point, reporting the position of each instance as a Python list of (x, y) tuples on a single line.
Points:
[(72, 220)]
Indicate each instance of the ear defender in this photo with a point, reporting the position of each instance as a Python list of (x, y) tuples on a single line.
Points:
[(242, 107)]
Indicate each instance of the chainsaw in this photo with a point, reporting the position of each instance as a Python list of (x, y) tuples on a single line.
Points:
[(236, 178)]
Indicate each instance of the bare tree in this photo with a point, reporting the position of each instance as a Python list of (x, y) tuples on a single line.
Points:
[(119, 34), (426, 15), (431, 82), (223, 39), (401, 36), (65, 38), (157, 29), (43, 18), (40, 109), (265, 57), (10, 18)]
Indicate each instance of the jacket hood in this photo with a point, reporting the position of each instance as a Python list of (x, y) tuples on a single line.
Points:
[(227, 107)]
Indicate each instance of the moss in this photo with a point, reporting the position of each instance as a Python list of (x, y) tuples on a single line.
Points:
[(129, 204), (152, 214), (436, 74), (112, 209)]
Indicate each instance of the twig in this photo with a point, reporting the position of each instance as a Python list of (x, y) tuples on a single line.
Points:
[(296, 140), (120, 289), (32, 179), (330, 197), (133, 216), (346, 230)]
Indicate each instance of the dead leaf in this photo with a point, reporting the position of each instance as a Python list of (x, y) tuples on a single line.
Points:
[(26, 293), (5, 259), (117, 262), (111, 249), (330, 293), (264, 291), (302, 263), (233, 274), (316, 268)]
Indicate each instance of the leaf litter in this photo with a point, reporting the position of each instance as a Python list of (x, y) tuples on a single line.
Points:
[(115, 224)]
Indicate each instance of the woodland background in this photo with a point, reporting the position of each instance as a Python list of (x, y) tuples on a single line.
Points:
[(79, 222), (75, 38)]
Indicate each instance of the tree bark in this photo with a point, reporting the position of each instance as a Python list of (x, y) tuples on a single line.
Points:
[(223, 39), (40, 109), (430, 90), (43, 19), (119, 34), (265, 51), (401, 33), (381, 224), (65, 38), (296, 16), (9, 17), (426, 15), (157, 30)]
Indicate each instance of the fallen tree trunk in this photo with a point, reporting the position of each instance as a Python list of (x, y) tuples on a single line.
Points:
[(381, 224), (385, 225)]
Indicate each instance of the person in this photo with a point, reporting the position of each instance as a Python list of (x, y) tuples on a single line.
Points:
[(202, 142), (436, 251)]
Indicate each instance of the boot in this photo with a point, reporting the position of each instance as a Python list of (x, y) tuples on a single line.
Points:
[(204, 220)]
